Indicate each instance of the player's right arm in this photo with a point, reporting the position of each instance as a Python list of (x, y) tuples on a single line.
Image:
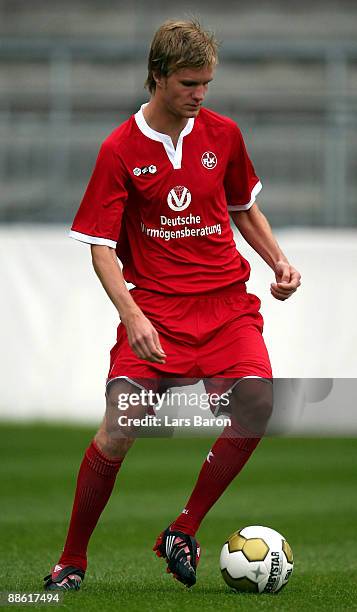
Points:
[(142, 336), (98, 223)]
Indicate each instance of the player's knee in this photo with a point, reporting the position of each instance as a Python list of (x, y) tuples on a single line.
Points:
[(253, 404), (114, 446)]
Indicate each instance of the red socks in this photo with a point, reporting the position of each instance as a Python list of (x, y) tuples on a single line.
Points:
[(95, 483), (97, 476), (224, 461)]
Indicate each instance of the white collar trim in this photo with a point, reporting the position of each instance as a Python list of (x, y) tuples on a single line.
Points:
[(174, 155)]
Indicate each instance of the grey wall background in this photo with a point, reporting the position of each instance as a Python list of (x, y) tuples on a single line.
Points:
[(71, 71)]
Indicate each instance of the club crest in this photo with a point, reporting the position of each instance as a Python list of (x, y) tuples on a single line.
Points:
[(209, 160)]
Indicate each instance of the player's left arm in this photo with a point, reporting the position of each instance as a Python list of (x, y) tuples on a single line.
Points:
[(256, 230)]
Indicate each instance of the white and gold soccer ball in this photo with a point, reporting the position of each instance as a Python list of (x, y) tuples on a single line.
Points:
[(256, 559)]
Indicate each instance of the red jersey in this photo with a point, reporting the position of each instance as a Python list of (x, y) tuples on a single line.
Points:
[(166, 210)]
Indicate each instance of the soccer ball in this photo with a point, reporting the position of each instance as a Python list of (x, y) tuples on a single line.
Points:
[(256, 559)]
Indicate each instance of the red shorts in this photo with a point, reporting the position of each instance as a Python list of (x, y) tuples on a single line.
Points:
[(204, 336)]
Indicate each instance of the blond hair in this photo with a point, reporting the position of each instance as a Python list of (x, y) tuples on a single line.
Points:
[(180, 44)]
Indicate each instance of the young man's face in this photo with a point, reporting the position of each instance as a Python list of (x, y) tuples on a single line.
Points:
[(183, 91)]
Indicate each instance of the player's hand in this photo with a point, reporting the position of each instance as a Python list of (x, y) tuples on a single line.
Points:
[(143, 338), (287, 281)]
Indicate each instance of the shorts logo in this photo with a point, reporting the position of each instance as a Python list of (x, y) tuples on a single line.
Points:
[(179, 198), (145, 170), (210, 454), (209, 160)]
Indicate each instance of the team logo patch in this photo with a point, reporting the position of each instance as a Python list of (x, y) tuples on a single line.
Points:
[(179, 198), (145, 170), (209, 160)]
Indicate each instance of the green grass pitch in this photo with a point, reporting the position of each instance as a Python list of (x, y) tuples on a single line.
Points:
[(304, 488)]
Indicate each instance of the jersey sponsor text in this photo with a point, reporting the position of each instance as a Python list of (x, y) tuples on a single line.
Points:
[(185, 232)]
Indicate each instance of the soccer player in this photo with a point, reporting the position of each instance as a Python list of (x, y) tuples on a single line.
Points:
[(163, 189)]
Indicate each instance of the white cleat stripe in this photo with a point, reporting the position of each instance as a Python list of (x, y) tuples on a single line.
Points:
[(169, 543)]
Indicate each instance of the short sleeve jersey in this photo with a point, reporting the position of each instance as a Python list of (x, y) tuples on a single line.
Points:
[(166, 210)]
